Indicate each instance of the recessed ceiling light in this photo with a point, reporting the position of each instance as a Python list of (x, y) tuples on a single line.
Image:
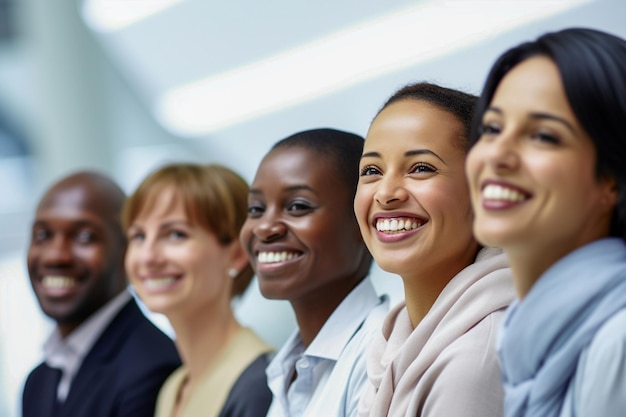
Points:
[(111, 15)]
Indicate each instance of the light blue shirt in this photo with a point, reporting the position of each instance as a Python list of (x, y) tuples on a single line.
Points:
[(332, 369), (599, 385)]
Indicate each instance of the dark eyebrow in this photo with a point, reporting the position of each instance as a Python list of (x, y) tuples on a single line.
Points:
[(292, 188), (554, 118), (540, 116), (423, 152), (76, 224), (407, 153)]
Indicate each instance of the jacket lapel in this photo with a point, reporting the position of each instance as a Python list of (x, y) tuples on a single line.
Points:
[(91, 379)]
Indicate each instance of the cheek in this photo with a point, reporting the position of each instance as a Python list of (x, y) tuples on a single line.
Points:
[(449, 202), (340, 239), (31, 258), (473, 164), (362, 201), (245, 234), (129, 262), (94, 256), (560, 177), (440, 196)]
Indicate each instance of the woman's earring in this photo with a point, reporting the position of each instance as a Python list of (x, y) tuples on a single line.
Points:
[(232, 272)]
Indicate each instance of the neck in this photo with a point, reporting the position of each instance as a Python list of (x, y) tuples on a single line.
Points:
[(529, 262), (423, 286), (314, 310), (200, 338)]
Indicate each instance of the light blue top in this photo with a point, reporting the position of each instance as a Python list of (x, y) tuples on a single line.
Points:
[(563, 347), (599, 385), (331, 371)]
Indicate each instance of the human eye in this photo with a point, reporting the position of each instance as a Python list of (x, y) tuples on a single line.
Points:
[(422, 168), (85, 236), (177, 234), (299, 207), (369, 170), (255, 210), (40, 234), (135, 236), (546, 137), (489, 129)]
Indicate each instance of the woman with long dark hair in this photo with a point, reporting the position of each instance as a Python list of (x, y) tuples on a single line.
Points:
[(547, 175)]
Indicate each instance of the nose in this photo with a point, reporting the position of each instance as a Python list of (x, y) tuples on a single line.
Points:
[(502, 153), (146, 251), (390, 191), (269, 227)]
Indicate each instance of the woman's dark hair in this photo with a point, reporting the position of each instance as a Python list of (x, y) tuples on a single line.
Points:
[(592, 66), (343, 147), (459, 104)]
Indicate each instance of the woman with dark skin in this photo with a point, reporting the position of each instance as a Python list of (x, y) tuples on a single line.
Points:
[(305, 247), (548, 180)]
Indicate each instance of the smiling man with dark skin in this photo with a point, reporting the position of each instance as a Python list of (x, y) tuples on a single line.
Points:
[(104, 358)]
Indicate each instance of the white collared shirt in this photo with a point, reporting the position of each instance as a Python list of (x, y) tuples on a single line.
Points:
[(68, 354), (331, 371)]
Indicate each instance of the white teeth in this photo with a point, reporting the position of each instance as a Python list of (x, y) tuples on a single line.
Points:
[(158, 283), (58, 282), (397, 225), (273, 257), (497, 192)]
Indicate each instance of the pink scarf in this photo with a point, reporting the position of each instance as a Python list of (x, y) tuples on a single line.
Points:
[(401, 355)]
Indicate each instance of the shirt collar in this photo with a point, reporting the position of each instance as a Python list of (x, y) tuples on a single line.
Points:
[(345, 321), (68, 353)]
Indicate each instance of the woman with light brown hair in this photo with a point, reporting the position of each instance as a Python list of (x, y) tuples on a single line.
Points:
[(185, 261)]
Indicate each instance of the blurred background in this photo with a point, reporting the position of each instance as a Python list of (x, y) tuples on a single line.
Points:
[(123, 86)]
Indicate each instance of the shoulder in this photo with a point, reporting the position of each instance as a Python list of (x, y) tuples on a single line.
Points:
[(140, 337), (250, 395), (134, 347), (474, 350), (465, 378), (612, 334), (254, 375), (600, 380), (34, 378)]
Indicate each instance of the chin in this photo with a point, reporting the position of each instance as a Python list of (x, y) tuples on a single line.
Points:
[(393, 266), (491, 238), (272, 294)]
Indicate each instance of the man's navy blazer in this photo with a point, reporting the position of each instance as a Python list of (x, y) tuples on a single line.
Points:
[(120, 376)]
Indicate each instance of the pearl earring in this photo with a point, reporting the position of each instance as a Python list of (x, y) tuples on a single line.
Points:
[(232, 272)]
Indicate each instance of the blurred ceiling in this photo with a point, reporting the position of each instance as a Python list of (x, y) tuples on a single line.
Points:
[(205, 66)]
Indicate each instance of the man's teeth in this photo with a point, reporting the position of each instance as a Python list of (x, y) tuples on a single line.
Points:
[(58, 282), (497, 192), (158, 283), (273, 257), (397, 225)]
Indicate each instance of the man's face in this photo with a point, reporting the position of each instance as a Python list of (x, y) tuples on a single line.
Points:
[(75, 254)]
